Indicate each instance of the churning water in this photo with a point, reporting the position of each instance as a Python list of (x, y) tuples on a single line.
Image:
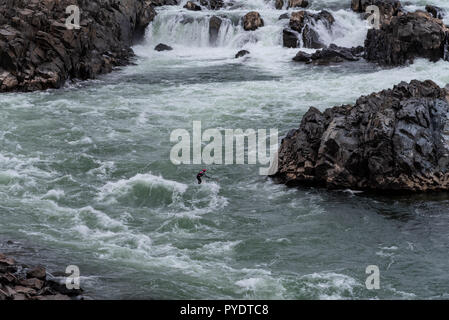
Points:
[(86, 179)]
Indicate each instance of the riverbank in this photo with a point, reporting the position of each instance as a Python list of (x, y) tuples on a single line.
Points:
[(24, 282)]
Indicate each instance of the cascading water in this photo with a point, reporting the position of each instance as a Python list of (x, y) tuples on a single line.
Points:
[(85, 174)]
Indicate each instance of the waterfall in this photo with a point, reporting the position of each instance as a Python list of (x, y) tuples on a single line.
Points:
[(179, 27)]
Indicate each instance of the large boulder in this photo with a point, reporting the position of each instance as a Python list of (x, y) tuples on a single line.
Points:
[(393, 140), (38, 51), (407, 37), (252, 21)]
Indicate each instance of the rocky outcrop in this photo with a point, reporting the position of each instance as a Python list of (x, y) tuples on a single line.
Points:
[(163, 47), (330, 55), (38, 51), (394, 140), (407, 37), (252, 21), (20, 282), (303, 23)]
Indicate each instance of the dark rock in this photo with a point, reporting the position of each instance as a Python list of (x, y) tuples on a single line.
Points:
[(279, 4), (284, 16), (298, 3), (387, 8), (302, 56), (163, 47), (241, 53), (290, 38), (37, 272), (304, 22), (407, 37), (435, 11), (394, 140), (214, 28), (329, 55), (252, 21), (192, 6), (38, 52), (164, 2), (212, 4)]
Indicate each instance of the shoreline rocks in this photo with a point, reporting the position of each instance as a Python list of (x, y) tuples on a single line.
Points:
[(39, 52), (20, 282), (395, 140)]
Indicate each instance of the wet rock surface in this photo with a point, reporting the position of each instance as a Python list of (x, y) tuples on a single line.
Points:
[(396, 140), (163, 47), (302, 24), (330, 55), (406, 37), (252, 21), (38, 51), (21, 282)]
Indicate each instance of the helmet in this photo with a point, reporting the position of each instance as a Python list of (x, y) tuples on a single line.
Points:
[(204, 170)]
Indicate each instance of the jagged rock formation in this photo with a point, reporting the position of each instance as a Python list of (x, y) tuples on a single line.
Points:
[(387, 8), (407, 37), (329, 55), (393, 140), (302, 24), (38, 51), (20, 282)]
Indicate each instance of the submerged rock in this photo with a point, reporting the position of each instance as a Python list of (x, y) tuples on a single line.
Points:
[(252, 21), (393, 140), (241, 53), (38, 51), (214, 28), (163, 47), (407, 37)]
